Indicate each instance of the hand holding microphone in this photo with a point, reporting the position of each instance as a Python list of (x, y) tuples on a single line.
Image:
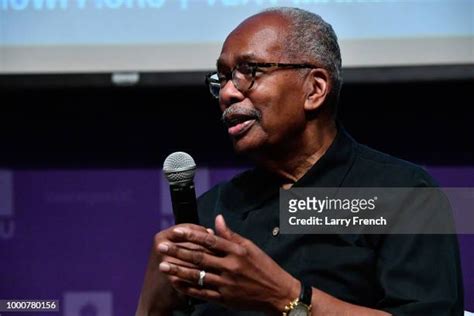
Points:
[(197, 261)]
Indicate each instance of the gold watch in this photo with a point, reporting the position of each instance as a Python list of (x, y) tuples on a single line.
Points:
[(300, 306)]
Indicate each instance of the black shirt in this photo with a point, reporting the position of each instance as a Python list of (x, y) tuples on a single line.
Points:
[(401, 274)]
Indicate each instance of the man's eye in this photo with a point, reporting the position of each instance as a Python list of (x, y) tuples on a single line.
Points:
[(222, 77), (245, 69)]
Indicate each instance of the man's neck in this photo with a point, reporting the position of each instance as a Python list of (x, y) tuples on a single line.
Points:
[(292, 163)]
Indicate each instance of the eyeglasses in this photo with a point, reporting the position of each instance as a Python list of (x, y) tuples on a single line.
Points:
[(243, 75)]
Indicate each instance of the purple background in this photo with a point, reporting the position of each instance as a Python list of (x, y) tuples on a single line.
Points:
[(83, 236)]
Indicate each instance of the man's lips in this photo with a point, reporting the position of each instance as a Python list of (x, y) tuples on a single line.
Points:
[(241, 128), (239, 119)]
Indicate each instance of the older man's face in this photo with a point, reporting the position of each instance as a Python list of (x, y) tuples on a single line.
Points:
[(271, 114)]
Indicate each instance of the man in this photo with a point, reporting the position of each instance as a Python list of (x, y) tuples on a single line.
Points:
[(278, 82)]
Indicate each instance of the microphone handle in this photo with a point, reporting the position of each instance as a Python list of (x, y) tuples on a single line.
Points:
[(183, 199)]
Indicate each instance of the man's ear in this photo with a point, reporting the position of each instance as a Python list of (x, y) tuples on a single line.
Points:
[(318, 87)]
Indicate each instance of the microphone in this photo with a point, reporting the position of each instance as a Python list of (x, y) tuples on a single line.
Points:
[(179, 169)]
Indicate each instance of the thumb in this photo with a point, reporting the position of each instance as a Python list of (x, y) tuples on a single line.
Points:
[(224, 231)]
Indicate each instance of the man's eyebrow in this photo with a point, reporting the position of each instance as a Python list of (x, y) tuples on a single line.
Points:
[(247, 57), (242, 58)]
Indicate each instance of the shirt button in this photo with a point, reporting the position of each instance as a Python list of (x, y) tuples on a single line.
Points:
[(276, 231)]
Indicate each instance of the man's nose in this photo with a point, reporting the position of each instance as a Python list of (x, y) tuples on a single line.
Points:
[(229, 94)]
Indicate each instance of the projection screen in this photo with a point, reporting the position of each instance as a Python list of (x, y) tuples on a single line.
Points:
[(96, 36)]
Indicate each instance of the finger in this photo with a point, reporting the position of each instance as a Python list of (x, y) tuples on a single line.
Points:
[(179, 262), (164, 235), (177, 282), (209, 241), (197, 292), (195, 258), (186, 245), (200, 293), (189, 275), (193, 226), (210, 231), (192, 246), (225, 232)]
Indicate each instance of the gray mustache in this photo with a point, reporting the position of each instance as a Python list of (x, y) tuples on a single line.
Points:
[(238, 110)]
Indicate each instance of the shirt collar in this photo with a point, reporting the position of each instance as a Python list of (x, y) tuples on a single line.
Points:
[(331, 169), (251, 189)]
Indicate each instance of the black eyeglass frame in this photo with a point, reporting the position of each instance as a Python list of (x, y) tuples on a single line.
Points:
[(254, 67)]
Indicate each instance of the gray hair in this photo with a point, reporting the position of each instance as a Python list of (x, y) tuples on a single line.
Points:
[(312, 37)]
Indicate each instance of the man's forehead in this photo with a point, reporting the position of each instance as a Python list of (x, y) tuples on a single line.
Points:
[(257, 38)]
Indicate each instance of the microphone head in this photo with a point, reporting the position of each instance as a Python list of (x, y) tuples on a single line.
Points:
[(179, 168)]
